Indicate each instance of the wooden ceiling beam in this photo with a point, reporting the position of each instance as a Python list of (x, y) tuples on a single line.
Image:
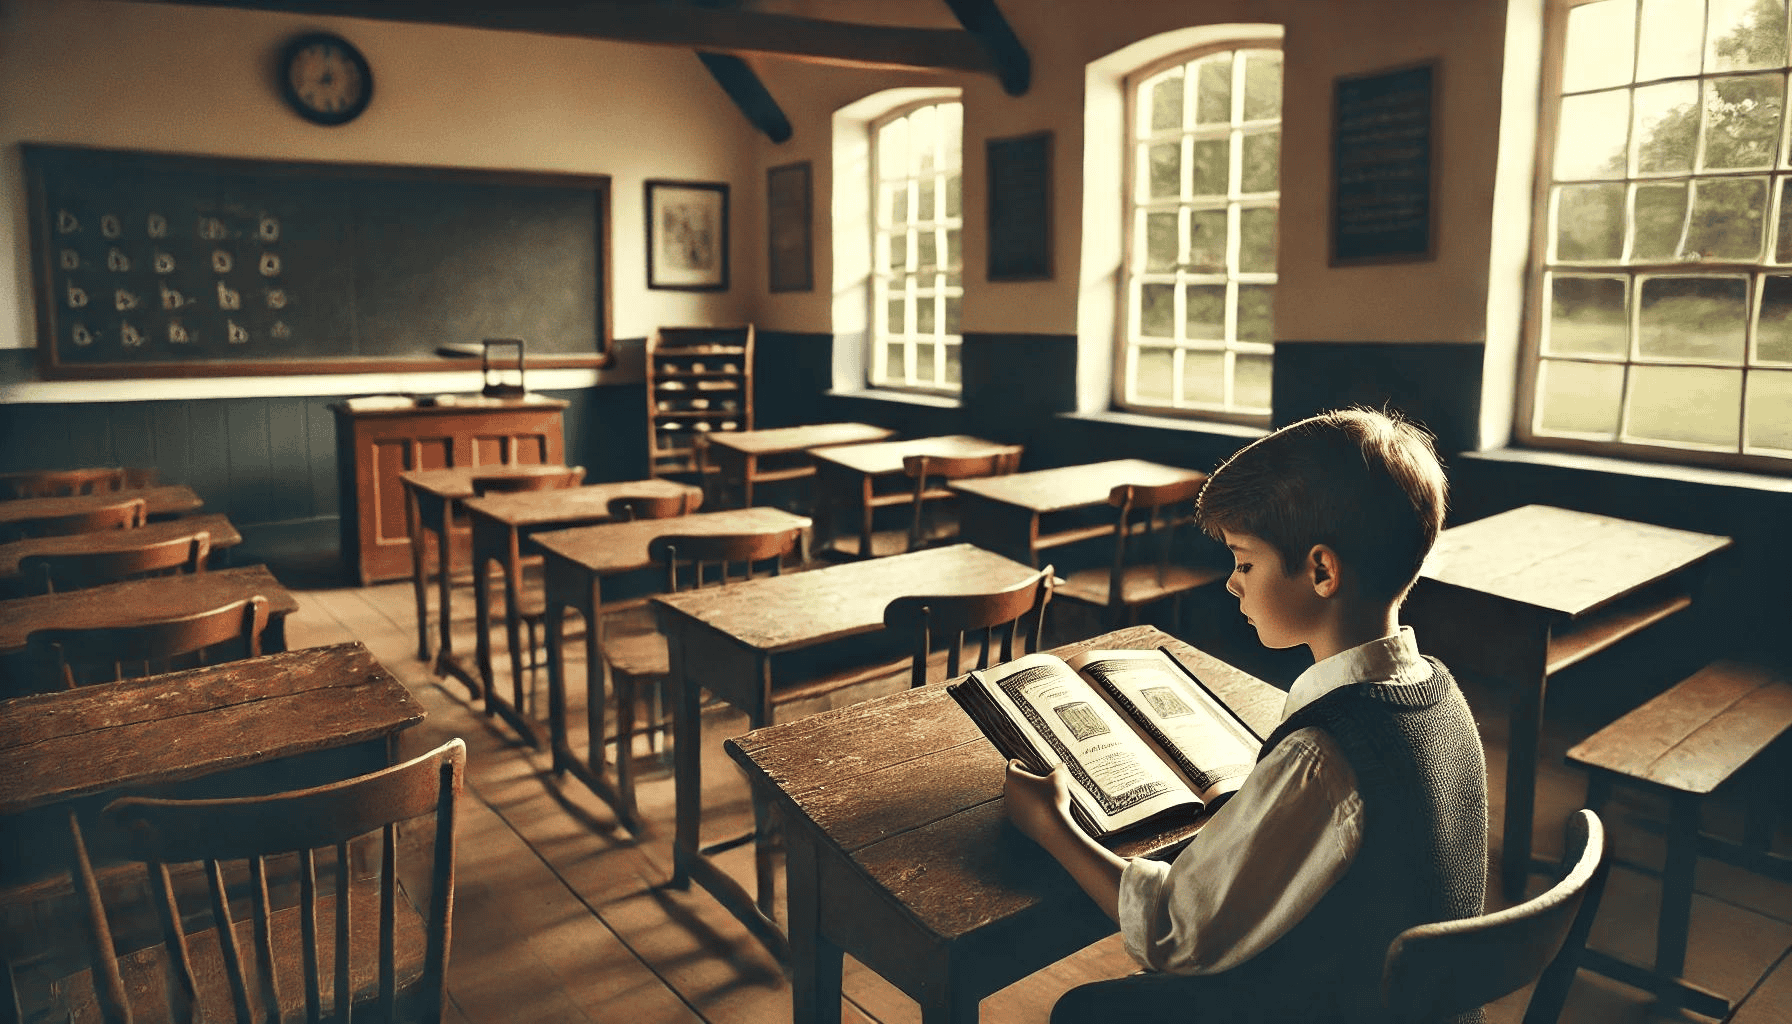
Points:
[(984, 21), (735, 32), (743, 86)]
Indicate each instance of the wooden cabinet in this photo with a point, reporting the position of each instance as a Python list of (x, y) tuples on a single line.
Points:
[(699, 381), (377, 440)]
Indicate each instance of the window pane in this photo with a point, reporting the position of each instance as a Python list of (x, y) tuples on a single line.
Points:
[(1773, 332), (1212, 170), (1658, 220), (894, 371), (1157, 310), (1213, 87), (1206, 318), (1589, 222), (1745, 34), (924, 134), (954, 257), (1207, 241), (954, 373), (1600, 46), (899, 213), (1726, 218), (1685, 404), (1586, 317), (1204, 377), (926, 249), (924, 207), (1161, 241), (1262, 85), (1783, 250), (1250, 380), (1165, 164), (1590, 140), (890, 200), (895, 322), (1257, 240), (954, 195), (1262, 162), (1165, 103), (898, 250), (1769, 421), (1667, 127), (1579, 398), (954, 306), (892, 149), (1692, 317), (924, 317), (924, 363), (1670, 44), (1151, 384), (1256, 312), (951, 135), (1742, 121)]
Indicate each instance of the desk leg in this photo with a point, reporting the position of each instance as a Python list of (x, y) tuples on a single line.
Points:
[(815, 962), (482, 624), (954, 1005), (419, 583), (866, 509), (510, 710), (553, 622), (1676, 886), (446, 661), (273, 638), (749, 469), (1525, 729), (687, 769)]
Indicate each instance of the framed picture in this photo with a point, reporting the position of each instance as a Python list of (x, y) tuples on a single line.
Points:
[(788, 210), (687, 235), (1383, 166), (1020, 207)]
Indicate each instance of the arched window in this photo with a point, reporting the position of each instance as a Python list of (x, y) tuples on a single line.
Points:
[(1202, 192), (917, 219)]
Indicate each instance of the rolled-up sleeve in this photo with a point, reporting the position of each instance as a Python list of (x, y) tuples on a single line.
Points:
[(1257, 868)]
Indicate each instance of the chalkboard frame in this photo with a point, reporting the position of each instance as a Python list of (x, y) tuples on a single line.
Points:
[(52, 367), (1352, 154)]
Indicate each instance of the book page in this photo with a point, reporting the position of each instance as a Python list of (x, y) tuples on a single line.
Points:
[(1119, 779), (1214, 750)]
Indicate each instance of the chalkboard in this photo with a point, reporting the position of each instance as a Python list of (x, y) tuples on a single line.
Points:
[(152, 265), (1020, 207), (1382, 167)]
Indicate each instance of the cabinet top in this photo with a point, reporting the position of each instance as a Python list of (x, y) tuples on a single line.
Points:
[(406, 405)]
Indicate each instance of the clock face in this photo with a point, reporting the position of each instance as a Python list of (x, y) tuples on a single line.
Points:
[(325, 78)]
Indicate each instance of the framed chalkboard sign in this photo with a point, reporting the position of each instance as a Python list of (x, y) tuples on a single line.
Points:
[(1383, 162), (152, 265), (1020, 207)]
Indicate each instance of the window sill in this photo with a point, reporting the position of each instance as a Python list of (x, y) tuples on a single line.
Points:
[(899, 397), (1212, 428), (1671, 472)]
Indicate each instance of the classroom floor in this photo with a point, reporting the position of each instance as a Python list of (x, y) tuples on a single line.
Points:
[(562, 917)]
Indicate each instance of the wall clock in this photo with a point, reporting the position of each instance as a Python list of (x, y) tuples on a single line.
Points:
[(325, 78)]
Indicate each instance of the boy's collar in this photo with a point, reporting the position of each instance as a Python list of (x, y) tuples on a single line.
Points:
[(1394, 659)]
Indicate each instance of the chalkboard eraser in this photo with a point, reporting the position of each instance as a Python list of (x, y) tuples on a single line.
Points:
[(461, 349)]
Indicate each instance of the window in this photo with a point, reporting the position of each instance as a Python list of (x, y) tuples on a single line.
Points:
[(1201, 205), (1663, 323), (917, 266)]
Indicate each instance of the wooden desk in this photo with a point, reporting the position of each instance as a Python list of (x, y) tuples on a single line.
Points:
[(732, 641), (898, 849), (430, 499), (1005, 513), (848, 476), (1526, 593), (159, 503), (502, 523), (737, 455), (133, 602), (223, 535), (576, 561)]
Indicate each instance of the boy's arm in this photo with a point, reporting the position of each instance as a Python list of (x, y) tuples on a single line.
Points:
[(1039, 805)]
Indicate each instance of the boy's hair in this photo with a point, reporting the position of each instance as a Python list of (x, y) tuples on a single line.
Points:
[(1366, 483)]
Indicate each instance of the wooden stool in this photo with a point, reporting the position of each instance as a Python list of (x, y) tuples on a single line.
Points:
[(1684, 744)]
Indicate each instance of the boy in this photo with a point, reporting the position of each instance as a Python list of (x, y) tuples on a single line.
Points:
[(1367, 810)]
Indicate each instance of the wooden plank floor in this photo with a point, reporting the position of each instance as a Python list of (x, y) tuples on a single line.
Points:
[(562, 916)]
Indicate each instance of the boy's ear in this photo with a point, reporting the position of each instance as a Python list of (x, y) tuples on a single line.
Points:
[(1322, 570)]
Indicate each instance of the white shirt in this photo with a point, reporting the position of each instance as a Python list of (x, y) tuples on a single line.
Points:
[(1269, 853)]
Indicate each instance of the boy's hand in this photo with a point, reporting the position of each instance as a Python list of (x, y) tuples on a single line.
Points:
[(1039, 805)]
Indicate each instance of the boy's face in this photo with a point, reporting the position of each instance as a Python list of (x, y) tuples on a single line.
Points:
[(1279, 600)]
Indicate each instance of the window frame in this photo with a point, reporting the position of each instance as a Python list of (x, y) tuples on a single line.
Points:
[(876, 282), (1131, 87), (1539, 268)]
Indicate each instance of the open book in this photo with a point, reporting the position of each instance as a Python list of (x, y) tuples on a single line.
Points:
[(1144, 739)]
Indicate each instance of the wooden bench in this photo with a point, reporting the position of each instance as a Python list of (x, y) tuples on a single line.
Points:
[(1684, 744)]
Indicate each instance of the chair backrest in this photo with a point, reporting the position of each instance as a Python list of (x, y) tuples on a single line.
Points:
[(49, 573), (127, 514), (952, 618), (62, 483), (641, 506), (1435, 971), (939, 468), (1150, 516), (698, 550), (515, 483), (354, 937), (101, 653)]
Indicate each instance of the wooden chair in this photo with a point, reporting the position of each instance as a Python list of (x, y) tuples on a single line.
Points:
[(517, 483), (100, 653), (62, 483), (931, 472), (381, 935), (1142, 571), (127, 514), (1435, 971), (954, 617), (49, 573), (631, 507)]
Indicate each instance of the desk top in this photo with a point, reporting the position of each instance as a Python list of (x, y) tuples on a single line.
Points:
[(1560, 560), (570, 504), (457, 482), (183, 725), (781, 440), (1068, 487), (620, 547), (778, 613), (885, 457), (136, 601), (908, 788), (166, 500), (224, 535)]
